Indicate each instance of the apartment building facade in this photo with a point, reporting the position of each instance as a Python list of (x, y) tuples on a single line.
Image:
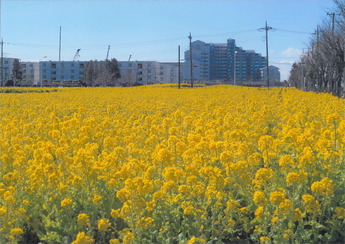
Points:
[(30, 73), (223, 62), (244, 65), (200, 61), (147, 72), (6, 71), (273, 73), (61, 73)]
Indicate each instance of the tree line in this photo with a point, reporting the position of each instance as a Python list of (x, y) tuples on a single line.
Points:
[(322, 66)]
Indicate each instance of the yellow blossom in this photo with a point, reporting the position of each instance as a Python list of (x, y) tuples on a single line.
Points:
[(83, 219), (16, 231), (103, 224), (265, 239), (259, 198), (323, 187), (83, 238), (277, 196), (66, 202)]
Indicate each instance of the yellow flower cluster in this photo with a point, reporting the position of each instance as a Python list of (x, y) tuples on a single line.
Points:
[(151, 164)]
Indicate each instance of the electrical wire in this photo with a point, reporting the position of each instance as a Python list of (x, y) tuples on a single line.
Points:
[(293, 31)]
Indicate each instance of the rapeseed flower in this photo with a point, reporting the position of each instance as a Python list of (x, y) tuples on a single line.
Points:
[(83, 238), (103, 224), (212, 160)]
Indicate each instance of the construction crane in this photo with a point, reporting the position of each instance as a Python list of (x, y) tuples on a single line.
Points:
[(77, 55), (129, 59)]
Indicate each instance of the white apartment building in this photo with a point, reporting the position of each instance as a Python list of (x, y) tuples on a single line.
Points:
[(30, 73), (147, 72)]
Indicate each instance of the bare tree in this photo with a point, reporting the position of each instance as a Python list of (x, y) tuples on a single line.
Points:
[(323, 64), (102, 73)]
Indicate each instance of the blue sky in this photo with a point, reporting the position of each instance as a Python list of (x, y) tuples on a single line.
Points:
[(152, 30)]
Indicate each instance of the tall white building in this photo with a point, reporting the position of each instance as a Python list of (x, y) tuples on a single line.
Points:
[(200, 62)]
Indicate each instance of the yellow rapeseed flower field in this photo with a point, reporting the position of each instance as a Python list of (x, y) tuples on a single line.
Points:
[(159, 164)]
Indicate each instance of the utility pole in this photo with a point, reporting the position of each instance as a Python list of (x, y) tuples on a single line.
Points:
[(267, 28), (317, 33), (191, 60), (333, 20), (303, 80), (60, 45), (107, 53), (2, 63), (315, 51), (179, 67)]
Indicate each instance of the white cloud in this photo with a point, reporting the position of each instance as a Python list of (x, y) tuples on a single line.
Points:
[(292, 52), (286, 61)]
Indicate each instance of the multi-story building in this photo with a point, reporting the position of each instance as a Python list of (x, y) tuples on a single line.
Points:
[(274, 75), (30, 73), (218, 62), (223, 62), (61, 73), (71, 73), (147, 72), (200, 62), (6, 72), (244, 65), (168, 72)]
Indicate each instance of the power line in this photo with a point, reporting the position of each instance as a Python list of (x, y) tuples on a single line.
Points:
[(294, 31), (225, 33)]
